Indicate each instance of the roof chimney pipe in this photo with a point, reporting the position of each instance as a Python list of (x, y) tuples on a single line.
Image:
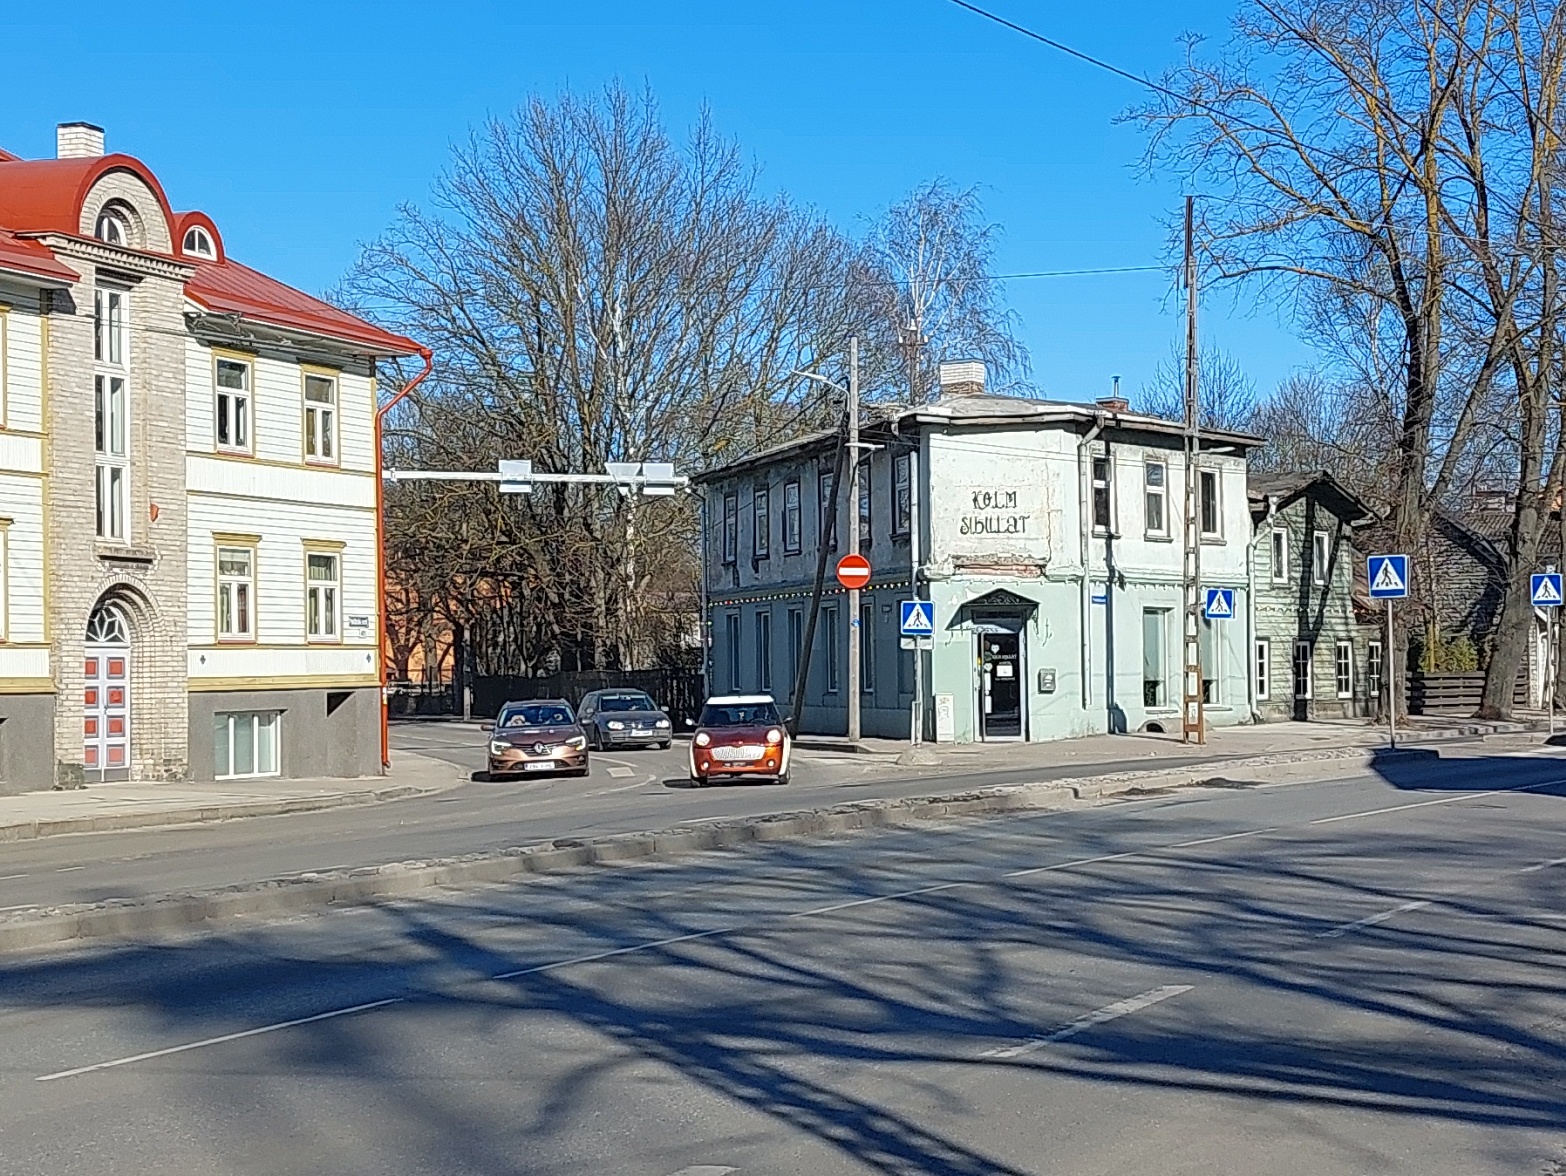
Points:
[(77, 140), (962, 378)]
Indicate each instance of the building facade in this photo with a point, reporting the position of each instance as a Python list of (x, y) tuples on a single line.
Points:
[(188, 525), (1311, 654), (1046, 538)]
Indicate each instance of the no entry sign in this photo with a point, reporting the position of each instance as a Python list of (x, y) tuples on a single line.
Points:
[(853, 571)]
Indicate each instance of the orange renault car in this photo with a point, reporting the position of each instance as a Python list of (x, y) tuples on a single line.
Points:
[(740, 735), (538, 736)]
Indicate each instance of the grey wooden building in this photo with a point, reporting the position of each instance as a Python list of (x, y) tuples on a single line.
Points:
[(1311, 657)]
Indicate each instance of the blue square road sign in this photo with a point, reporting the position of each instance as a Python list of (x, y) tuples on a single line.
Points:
[(918, 618), (1218, 604), (1388, 576), (1544, 590)]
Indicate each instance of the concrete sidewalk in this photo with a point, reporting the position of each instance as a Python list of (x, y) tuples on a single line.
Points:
[(1264, 739), (103, 807)]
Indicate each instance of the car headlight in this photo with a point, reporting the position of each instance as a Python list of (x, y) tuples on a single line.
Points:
[(578, 742), (775, 736), (663, 723), (498, 748), (616, 725), (702, 739)]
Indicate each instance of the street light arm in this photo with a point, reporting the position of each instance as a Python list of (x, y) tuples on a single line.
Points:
[(819, 378)]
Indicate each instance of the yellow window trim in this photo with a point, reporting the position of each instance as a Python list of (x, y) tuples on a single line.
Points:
[(235, 539), (285, 682), (250, 543), (323, 544), (236, 455), (31, 685)]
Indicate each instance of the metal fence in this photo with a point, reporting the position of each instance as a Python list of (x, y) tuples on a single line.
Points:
[(680, 692), (421, 699)]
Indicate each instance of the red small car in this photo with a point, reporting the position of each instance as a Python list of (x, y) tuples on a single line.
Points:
[(740, 735)]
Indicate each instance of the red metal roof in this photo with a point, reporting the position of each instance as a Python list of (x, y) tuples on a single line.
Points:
[(46, 195), (29, 257), (226, 287)]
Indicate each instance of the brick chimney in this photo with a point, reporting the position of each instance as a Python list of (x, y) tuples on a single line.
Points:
[(1113, 403), (962, 378), (77, 140)]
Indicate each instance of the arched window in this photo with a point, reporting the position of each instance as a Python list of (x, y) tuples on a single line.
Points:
[(198, 242), (111, 228), (106, 626)]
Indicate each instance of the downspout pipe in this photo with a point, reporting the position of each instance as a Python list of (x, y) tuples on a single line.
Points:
[(1262, 528), (428, 356), (1085, 529)]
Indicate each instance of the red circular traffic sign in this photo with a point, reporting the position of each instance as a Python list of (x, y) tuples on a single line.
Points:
[(853, 571)]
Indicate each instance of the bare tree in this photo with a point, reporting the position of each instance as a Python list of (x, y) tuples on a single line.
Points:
[(593, 292), (1226, 394)]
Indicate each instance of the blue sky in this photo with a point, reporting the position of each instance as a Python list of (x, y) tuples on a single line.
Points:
[(300, 127)]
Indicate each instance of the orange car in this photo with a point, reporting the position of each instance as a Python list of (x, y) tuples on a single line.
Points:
[(740, 735)]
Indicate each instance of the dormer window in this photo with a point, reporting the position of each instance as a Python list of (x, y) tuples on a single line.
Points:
[(198, 243), (112, 229)]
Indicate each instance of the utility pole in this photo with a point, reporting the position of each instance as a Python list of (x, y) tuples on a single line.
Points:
[(855, 636), (1193, 718), (912, 339)]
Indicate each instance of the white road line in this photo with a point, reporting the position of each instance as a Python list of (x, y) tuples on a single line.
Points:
[(1225, 837), (619, 951), (26, 906), (1397, 808), (69, 869), (1372, 920), (858, 902), (705, 1170), (1533, 869), (11, 877), (1121, 1008), (174, 1049), (1108, 857)]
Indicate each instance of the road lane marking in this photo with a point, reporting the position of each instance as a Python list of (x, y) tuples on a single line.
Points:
[(618, 951), (705, 1170), (69, 869), (11, 877), (1225, 837), (190, 1045), (858, 902), (1372, 920), (1397, 808), (1121, 1008), (1533, 869), (1108, 857)]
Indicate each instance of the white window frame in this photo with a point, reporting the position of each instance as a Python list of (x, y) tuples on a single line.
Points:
[(321, 440), (111, 414), (1107, 484), (1158, 493), (1343, 668), (198, 243), (793, 518), (1262, 667), (761, 522), (1375, 670), (5, 359), (1309, 693), (240, 413), (324, 599), (731, 527), (1165, 664), (1202, 475), (236, 595), (1280, 547), (273, 729), (1212, 666), (112, 228), (1320, 554), (5, 580)]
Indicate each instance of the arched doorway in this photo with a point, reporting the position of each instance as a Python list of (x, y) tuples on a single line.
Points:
[(106, 711)]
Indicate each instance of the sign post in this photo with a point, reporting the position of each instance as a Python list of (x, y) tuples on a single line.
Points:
[(1388, 575), (917, 628), (1545, 592)]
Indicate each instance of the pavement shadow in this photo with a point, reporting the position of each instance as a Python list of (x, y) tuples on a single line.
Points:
[(1426, 769), (867, 1030)]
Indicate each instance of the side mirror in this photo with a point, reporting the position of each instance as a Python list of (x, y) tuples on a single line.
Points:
[(486, 726)]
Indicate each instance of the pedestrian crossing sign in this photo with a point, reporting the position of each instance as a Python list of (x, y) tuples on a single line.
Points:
[(918, 618), (1219, 604), (1388, 576), (1545, 590)]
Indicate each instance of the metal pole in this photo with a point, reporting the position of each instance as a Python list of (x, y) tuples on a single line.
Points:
[(855, 637), (1549, 673), (1391, 673), (917, 718)]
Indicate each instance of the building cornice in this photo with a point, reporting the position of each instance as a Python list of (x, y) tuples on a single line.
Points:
[(129, 261)]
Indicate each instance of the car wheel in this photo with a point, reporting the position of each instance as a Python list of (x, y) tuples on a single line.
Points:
[(783, 779), (696, 781), (665, 745)]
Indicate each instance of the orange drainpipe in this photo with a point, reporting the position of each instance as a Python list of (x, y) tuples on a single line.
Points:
[(380, 545)]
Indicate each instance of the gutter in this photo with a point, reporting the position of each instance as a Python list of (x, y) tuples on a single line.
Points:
[(1085, 527), (428, 357)]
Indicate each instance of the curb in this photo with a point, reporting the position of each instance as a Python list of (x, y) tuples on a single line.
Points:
[(54, 926), (202, 814)]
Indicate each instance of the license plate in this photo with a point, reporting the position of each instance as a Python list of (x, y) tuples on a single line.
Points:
[(737, 754), (543, 766)]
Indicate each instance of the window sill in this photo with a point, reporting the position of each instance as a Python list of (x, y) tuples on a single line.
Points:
[(229, 451), (1214, 540), (323, 640), (228, 642), (316, 463), (1158, 538), (125, 552)]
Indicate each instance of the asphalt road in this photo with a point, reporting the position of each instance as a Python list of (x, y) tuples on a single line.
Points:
[(628, 791), (1358, 976)]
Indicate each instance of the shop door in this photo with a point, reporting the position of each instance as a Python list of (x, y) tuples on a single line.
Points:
[(106, 697), (1000, 685)]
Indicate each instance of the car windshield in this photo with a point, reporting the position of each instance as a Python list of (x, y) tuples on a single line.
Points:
[(625, 702), (749, 714), (543, 715)]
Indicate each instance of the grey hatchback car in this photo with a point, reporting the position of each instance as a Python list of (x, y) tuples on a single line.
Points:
[(624, 718)]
